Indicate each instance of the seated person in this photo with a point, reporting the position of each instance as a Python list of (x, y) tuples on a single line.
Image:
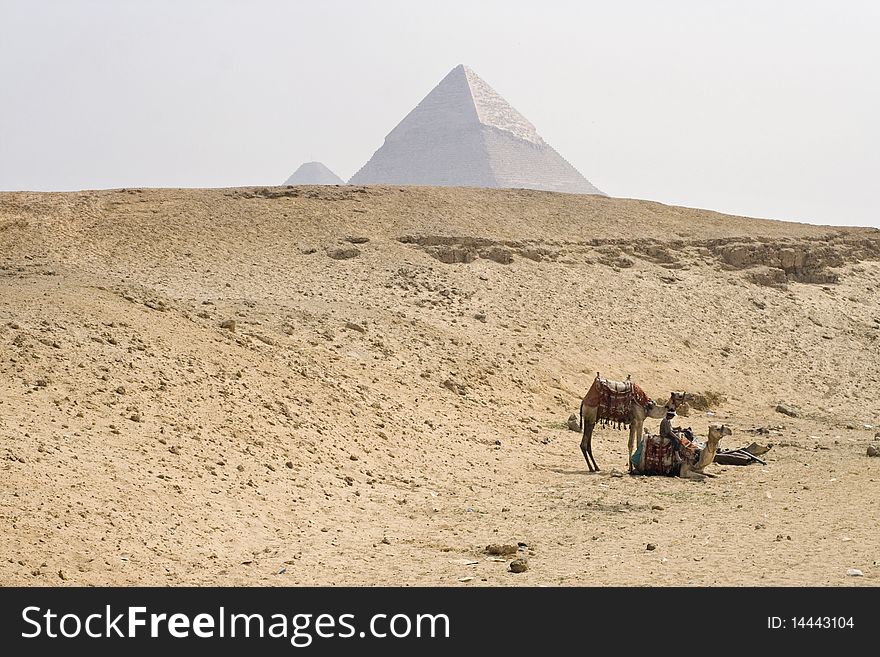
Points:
[(682, 439)]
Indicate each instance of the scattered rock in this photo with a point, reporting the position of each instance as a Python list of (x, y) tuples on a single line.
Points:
[(480, 317), (174, 449), (386, 541), (873, 450), (619, 262), (228, 324), (289, 464), (650, 547), (850, 426), (135, 417), (854, 572), (455, 386), (351, 326), (534, 254), (518, 566), (790, 411), (499, 550), (574, 422), (452, 254), (357, 239), (656, 507), (616, 473), (497, 254), (343, 252), (120, 390)]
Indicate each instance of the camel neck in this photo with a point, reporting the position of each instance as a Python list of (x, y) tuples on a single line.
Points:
[(707, 455)]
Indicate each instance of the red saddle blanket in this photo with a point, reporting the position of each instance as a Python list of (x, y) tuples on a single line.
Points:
[(614, 399), (660, 456)]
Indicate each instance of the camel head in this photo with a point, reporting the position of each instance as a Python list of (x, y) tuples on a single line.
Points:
[(717, 432), (676, 399)]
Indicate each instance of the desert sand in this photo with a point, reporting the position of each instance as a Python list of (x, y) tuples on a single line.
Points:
[(394, 392)]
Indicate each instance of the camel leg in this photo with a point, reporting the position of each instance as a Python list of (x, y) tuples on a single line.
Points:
[(590, 448), (693, 475), (635, 429), (585, 443)]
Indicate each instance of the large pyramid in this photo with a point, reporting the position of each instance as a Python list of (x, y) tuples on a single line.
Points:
[(314, 173), (464, 133)]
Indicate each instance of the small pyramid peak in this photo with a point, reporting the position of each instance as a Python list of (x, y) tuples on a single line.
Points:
[(314, 173), (460, 69), (464, 68)]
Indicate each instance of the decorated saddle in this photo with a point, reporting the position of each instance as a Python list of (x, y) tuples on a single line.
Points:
[(660, 457), (613, 400)]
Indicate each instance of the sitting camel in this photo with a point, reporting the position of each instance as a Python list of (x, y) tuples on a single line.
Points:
[(624, 403), (656, 455)]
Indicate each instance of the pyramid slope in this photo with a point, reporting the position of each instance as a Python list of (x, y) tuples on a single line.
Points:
[(449, 106), (464, 134), (495, 112), (517, 163), (313, 173)]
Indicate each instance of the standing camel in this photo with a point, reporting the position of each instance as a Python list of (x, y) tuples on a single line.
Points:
[(623, 403)]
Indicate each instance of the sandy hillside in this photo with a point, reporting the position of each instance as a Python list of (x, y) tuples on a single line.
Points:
[(394, 393)]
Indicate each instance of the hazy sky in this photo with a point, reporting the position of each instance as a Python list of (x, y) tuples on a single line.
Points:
[(763, 108)]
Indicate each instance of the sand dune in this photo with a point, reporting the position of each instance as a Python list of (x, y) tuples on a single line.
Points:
[(393, 395)]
